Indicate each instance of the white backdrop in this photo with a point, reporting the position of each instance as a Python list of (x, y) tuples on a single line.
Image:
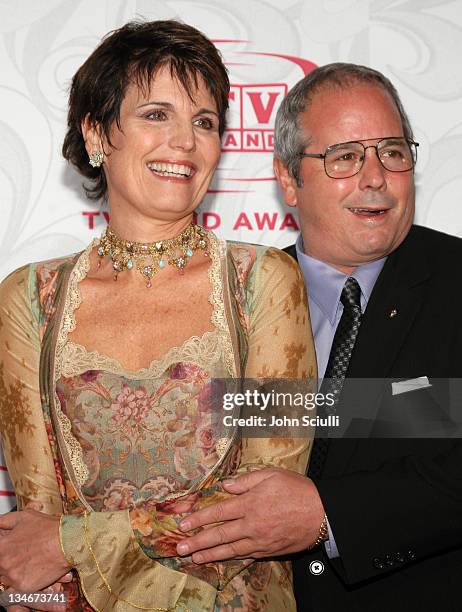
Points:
[(268, 46)]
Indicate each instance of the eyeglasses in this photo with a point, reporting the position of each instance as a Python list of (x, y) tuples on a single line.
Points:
[(346, 159)]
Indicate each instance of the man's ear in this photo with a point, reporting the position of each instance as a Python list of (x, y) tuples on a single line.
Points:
[(287, 183), (92, 136)]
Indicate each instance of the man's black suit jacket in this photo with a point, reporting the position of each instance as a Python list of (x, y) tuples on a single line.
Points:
[(395, 505)]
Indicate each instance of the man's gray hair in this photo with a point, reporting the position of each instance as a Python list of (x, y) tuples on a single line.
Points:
[(289, 138)]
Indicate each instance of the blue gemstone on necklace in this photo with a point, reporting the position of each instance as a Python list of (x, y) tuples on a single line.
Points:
[(129, 264), (189, 253), (161, 263), (110, 254)]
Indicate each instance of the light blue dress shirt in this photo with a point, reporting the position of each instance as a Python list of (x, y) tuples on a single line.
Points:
[(324, 286)]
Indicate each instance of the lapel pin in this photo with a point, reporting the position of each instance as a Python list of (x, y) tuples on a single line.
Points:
[(393, 313)]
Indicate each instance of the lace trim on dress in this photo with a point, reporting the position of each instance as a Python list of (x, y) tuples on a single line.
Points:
[(204, 350), (73, 446), (72, 301), (218, 252)]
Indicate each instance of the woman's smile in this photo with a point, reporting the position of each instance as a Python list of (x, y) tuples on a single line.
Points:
[(169, 169)]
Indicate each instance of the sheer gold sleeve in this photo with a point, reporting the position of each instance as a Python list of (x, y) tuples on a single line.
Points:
[(280, 347), (25, 442)]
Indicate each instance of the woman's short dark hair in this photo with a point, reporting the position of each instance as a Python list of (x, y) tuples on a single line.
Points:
[(133, 54)]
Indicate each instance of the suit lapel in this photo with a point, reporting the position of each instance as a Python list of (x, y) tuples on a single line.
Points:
[(395, 302), (292, 251)]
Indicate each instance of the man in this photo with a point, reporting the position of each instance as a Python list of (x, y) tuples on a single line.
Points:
[(345, 157)]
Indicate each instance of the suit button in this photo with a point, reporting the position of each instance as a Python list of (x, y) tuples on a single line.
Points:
[(389, 560), (410, 555), (399, 557), (378, 563)]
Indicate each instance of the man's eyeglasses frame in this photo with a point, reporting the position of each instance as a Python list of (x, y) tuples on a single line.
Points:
[(412, 146)]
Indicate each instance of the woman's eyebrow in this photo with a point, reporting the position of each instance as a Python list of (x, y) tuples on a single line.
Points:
[(208, 111), (157, 103), (170, 106)]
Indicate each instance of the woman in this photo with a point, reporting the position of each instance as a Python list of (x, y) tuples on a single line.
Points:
[(109, 354)]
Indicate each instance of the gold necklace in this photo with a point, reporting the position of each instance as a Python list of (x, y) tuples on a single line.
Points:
[(151, 257)]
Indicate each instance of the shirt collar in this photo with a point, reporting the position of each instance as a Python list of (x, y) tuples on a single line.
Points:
[(325, 283)]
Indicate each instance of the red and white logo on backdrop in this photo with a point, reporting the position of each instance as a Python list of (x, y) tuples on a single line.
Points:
[(253, 110)]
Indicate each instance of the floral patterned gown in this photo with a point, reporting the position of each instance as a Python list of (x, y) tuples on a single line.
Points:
[(126, 455)]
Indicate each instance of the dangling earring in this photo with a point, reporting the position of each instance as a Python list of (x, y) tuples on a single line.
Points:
[(96, 159)]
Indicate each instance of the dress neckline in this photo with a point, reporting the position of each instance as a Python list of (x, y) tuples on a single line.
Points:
[(72, 357)]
